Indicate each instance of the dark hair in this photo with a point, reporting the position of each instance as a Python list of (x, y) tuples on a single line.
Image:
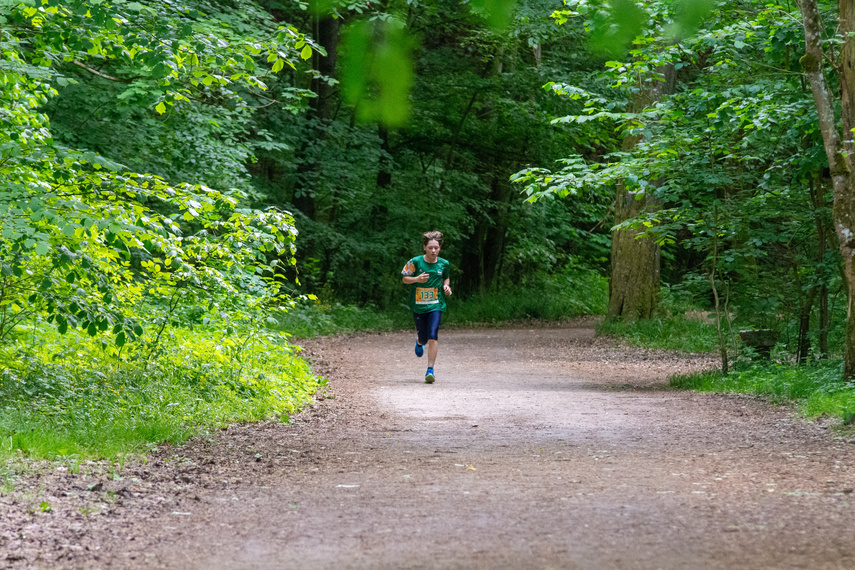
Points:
[(428, 236)]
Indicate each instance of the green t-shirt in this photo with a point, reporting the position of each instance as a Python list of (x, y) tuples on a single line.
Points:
[(428, 296)]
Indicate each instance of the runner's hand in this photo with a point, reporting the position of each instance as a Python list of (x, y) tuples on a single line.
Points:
[(423, 278), (447, 290)]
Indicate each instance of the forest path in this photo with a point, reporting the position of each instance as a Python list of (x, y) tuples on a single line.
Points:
[(535, 448)]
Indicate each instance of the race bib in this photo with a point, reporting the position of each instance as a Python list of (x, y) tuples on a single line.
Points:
[(427, 295)]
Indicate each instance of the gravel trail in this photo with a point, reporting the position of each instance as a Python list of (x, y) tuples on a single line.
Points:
[(535, 448)]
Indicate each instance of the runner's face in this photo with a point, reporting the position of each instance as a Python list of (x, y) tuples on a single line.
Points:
[(432, 250)]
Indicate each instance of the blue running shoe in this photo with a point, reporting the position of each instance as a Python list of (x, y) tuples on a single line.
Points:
[(419, 350), (429, 377)]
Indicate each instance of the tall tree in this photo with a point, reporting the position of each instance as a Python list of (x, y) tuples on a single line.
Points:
[(634, 283), (837, 138)]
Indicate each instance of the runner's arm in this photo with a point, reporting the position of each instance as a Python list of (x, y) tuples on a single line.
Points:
[(409, 279)]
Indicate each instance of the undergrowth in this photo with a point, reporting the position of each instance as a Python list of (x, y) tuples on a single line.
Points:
[(575, 293), (309, 319), (69, 395), (557, 297), (817, 389)]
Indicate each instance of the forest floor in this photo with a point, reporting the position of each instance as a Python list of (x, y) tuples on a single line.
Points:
[(535, 448)]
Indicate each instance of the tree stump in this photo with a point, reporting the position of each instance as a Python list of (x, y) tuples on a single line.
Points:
[(761, 340)]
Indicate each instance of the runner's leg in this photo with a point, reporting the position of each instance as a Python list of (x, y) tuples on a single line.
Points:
[(422, 328), (434, 320), (433, 348)]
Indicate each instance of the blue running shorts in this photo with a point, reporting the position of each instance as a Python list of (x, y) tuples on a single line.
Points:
[(427, 325)]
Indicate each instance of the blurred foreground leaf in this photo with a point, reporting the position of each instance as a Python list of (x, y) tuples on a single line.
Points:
[(377, 70), (689, 17), (613, 32), (497, 13)]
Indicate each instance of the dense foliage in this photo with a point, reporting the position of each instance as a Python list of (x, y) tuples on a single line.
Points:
[(150, 264), (158, 161), (734, 162), (364, 192)]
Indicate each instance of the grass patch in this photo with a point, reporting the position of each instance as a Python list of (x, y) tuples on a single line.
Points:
[(675, 332), (68, 395), (816, 389)]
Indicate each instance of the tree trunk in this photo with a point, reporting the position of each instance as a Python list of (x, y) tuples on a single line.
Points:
[(818, 202), (722, 344), (482, 254), (500, 196), (384, 169), (839, 159), (823, 321), (472, 260), (326, 30), (634, 283), (803, 351)]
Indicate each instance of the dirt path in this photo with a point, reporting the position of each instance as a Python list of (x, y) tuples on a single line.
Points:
[(534, 449)]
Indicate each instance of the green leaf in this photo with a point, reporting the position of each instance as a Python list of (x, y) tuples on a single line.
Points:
[(613, 34), (306, 52), (121, 339), (377, 70), (690, 15), (497, 13), (160, 108)]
